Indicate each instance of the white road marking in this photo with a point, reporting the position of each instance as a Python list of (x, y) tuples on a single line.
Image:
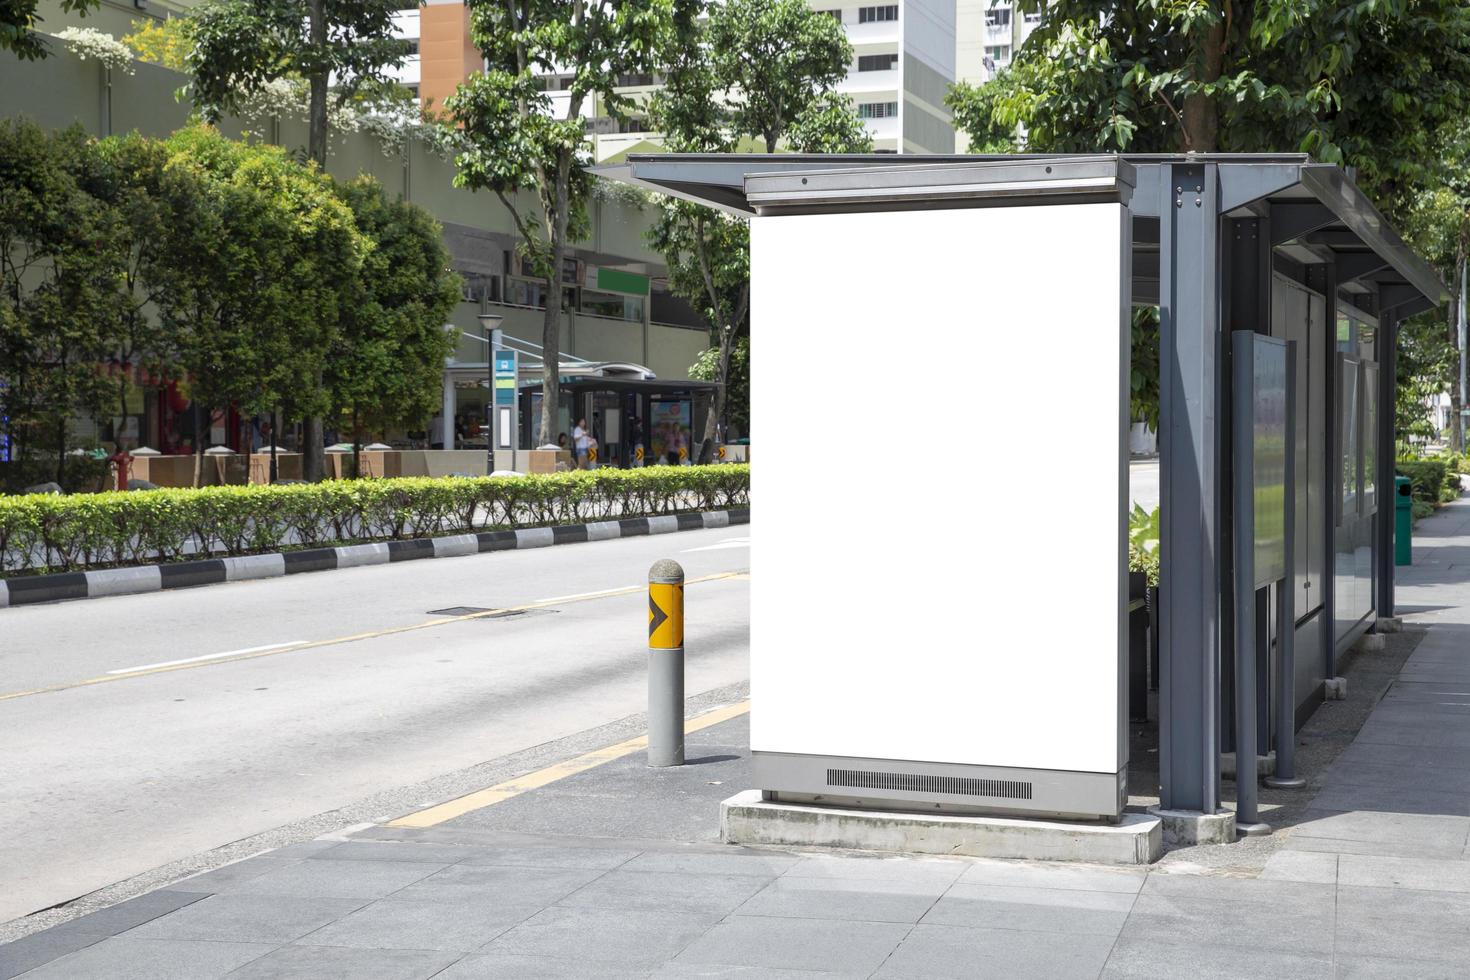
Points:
[(591, 595), (212, 656), (722, 546)]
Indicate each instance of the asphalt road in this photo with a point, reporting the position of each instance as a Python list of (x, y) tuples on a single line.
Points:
[(138, 730)]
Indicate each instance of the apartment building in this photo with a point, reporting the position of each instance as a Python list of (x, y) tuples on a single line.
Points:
[(988, 34), (903, 63)]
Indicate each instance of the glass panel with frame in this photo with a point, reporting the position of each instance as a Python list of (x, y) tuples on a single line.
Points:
[(1369, 397)]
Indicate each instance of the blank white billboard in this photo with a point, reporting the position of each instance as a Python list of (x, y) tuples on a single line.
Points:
[(940, 405)]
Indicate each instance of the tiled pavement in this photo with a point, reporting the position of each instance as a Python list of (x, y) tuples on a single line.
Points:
[(614, 873)]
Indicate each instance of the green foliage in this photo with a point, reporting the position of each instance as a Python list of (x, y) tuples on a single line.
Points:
[(514, 139), (166, 43), (1419, 509), (774, 57), (1428, 478), (737, 381), (1435, 220), (59, 255), (1366, 83), (387, 361), (1143, 542), (19, 23), (980, 112), (242, 46), (55, 533), (259, 288), (1143, 373), (740, 70)]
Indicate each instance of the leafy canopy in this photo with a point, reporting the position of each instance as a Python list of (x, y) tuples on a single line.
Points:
[(387, 362), (242, 47), (1366, 83), (774, 57)]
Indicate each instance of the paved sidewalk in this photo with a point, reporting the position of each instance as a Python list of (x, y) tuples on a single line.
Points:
[(615, 872)]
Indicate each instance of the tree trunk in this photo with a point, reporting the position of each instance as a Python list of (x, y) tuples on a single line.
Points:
[(275, 428), (122, 404), (551, 326), (313, 458), (717, 407), (198, 444), (317, 118), (356, 449), (1201, 114), (61, 450)]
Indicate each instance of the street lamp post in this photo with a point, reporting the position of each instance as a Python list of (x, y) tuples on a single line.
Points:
[(492, 323)]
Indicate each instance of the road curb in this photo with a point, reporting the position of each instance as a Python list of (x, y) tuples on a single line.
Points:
[(63, 586)]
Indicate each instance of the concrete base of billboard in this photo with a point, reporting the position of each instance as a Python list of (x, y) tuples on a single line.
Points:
[(1369, 643), (1183, 828), (748, 819)]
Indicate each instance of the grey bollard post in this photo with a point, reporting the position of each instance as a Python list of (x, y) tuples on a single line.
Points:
[(665, 664)]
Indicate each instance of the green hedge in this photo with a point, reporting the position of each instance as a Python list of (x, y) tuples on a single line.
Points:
[(1431, 479), (54, 533)]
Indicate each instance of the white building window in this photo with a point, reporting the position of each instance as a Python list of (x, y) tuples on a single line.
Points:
[(1032, 17), (999, 53), (834, 14), (867, 15), (877, 110), (998, 17), (877, 62)]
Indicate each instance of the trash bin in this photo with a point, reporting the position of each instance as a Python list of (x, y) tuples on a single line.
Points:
[(1403, 521)]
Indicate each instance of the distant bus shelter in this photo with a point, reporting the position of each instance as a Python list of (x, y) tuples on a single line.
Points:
[(971, 652), (628, 416)]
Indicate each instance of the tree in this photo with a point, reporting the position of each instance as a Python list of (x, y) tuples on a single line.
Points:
[(258, 287), (979, 112), (241, 47), (150, 204), (517, 138), (1436, 221), (775, 57), (1366, 84), (58, 252), (388, 362), (791, 101), (19, 21)]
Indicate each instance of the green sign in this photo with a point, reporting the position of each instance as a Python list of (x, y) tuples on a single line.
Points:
[(618, 281)]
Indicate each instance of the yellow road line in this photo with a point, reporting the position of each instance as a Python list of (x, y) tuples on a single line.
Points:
[(335, 641), (478, 800)]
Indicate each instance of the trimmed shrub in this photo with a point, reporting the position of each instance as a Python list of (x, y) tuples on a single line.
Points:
[(1427, 477), (41, 532)]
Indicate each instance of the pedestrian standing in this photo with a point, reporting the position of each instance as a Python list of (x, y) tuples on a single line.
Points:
[(581, 439)]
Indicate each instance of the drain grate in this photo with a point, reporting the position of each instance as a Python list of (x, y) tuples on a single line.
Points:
[(458, 611)]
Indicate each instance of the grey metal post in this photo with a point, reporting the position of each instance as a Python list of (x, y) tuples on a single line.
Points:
[(447, 407), (1285, 776), (1189, 451), (666, 664), (1247, 645), (1386, 342)]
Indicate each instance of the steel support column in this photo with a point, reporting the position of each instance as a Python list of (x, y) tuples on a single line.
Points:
[(1385, 344), (1190, 454)]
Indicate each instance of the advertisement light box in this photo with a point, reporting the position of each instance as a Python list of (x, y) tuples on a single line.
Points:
[(939, 568)]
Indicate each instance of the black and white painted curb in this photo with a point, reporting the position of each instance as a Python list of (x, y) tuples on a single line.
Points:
[(209, 571)]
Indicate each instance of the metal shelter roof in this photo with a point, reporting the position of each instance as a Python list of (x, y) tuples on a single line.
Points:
[(1317, 213)]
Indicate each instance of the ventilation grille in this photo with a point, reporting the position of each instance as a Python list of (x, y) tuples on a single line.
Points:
[(912, 782)]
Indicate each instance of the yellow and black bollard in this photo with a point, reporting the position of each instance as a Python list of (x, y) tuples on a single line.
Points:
[(665, 664)]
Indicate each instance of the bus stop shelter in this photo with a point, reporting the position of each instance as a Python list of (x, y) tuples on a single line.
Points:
[(632, 417), (1274, 245)]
